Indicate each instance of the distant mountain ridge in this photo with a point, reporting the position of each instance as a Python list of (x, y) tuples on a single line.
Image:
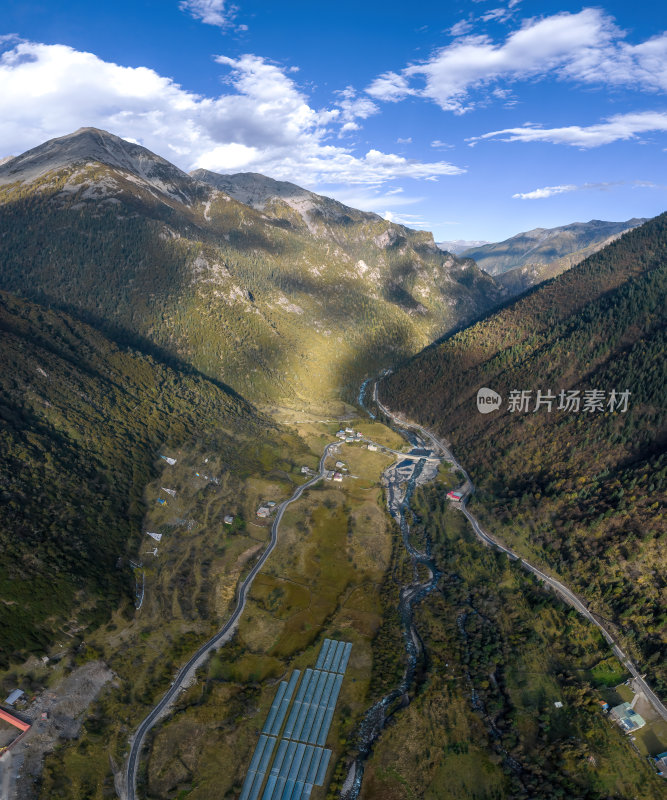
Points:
[(542, 246), (277, 291), (458, 246), (519, 279)]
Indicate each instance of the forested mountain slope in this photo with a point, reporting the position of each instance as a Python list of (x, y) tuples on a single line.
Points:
[(568, 244), (582, 492), (292, 300), (82, 423)]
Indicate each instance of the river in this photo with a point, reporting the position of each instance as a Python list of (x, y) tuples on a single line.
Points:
[(400, 481)]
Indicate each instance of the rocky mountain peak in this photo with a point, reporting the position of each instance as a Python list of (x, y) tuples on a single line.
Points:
[(94, 146)]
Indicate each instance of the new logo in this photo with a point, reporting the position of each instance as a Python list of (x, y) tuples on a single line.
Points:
[(488, 401)]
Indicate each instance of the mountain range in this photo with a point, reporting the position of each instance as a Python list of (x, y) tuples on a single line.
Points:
[(555, 249), (132, 297), (280, 293), (458, 246)]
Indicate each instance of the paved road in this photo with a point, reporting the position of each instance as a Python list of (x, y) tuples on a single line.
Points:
[(566, 594), (186, 673)]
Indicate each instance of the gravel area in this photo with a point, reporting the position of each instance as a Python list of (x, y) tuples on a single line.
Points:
[(65, 706)]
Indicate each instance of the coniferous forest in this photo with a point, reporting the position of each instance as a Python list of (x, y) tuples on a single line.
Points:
[(82, 422), (582, 492)]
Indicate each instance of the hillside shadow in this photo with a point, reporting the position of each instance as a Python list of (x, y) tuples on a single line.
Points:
[(127, 339)]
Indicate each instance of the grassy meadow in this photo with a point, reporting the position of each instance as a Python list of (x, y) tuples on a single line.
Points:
[(323, 580)]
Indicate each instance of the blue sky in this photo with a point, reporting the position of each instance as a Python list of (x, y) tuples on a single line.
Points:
[(475, 120)]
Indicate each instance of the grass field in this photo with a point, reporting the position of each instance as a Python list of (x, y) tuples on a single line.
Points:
[(190, 588), (322, 580)]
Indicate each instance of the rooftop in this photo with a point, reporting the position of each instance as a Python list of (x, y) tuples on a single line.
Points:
[(627, 717), (14, 696)]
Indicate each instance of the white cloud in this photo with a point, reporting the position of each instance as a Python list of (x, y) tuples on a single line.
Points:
[(407, 140), (353, 107), (233, 156), (643, 65), (409, 220), (602, 186), (642, 184), (621, 127), (263, 122), (368, 199), (585, 47), (462, 27), (390, 87), (496, 15), (546, 191), (210, 12), (441, 145)]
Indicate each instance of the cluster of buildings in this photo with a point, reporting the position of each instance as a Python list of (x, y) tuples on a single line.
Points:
[(348, 435), (630, 721), (351, 436), (266, 510), (421, 452), (161, 502), (333, 475), (336, 474)]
